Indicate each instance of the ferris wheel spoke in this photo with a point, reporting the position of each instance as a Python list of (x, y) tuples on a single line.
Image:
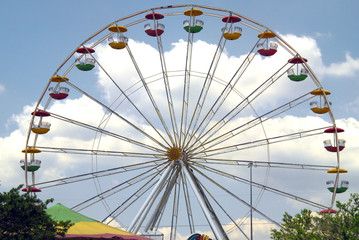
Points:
[(151, 173), (239, 199), (243, 104), (128, 202), (175, 208), (118, 115), (156, 216), (98, 174), (188, 204), (204, 90), (149, 94), (143, 211), (172, 115), (260, 186), (224, 94), (218, 204), (255, 122), (264, 164), (103, 131), (158, 157), (206, 207), (187, 82), (260, 142), (134, 197)]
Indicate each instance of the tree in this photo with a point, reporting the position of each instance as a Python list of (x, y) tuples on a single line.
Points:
[(307, 225), (23, 216)]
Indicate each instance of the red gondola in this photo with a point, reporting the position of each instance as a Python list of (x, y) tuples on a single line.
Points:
[(31, 189), (41, 113), (62, 93)]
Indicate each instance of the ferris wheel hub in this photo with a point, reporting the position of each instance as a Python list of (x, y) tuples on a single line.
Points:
[(174, 153)]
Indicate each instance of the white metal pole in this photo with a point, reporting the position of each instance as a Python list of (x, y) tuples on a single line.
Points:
[(251, 197), (211, 217), (161, 204), (141, 214)]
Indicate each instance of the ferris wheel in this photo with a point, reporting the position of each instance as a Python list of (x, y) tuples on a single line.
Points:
[(178, 117)]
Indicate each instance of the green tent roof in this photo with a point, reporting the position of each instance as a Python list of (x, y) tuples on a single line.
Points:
[(59, 212)]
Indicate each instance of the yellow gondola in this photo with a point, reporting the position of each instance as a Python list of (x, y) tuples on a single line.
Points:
[(335, 170), (31, 150), (41, 128), (320, 108), (58, 78), (193, 12), (118, 41)]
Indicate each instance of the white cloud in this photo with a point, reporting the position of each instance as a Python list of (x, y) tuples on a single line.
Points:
[(114, 223), (11, 174), (261, 229), (308, 48), (349, 68), (2, 88)]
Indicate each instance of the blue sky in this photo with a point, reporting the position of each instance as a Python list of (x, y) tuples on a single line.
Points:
[(39, 35)]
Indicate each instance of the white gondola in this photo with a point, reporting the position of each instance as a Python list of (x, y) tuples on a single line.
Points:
[(64, 90), (304, 71), (161, 26), (59, 94), (51, 90), (232, 35), (118, 39), (147, 26), (41, 128), (273, 45), (326, 104), (42, 125), (185, 23), (342, 187), (32, 166), (328, 143), (199, 23), (90, 61), (118, 42), (154, 32), (237, 30), (85, 65), (260, 46), (32, 163), (344, 184), (314, 104), (290, 72), (330, 184), (341, 142)]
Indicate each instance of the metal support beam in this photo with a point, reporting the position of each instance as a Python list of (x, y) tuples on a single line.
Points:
[(141, 214), (212, 219), (250, 165), (158, 211)]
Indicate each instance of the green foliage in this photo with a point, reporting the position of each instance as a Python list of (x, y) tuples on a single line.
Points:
[(305, 225), (23, 216)]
